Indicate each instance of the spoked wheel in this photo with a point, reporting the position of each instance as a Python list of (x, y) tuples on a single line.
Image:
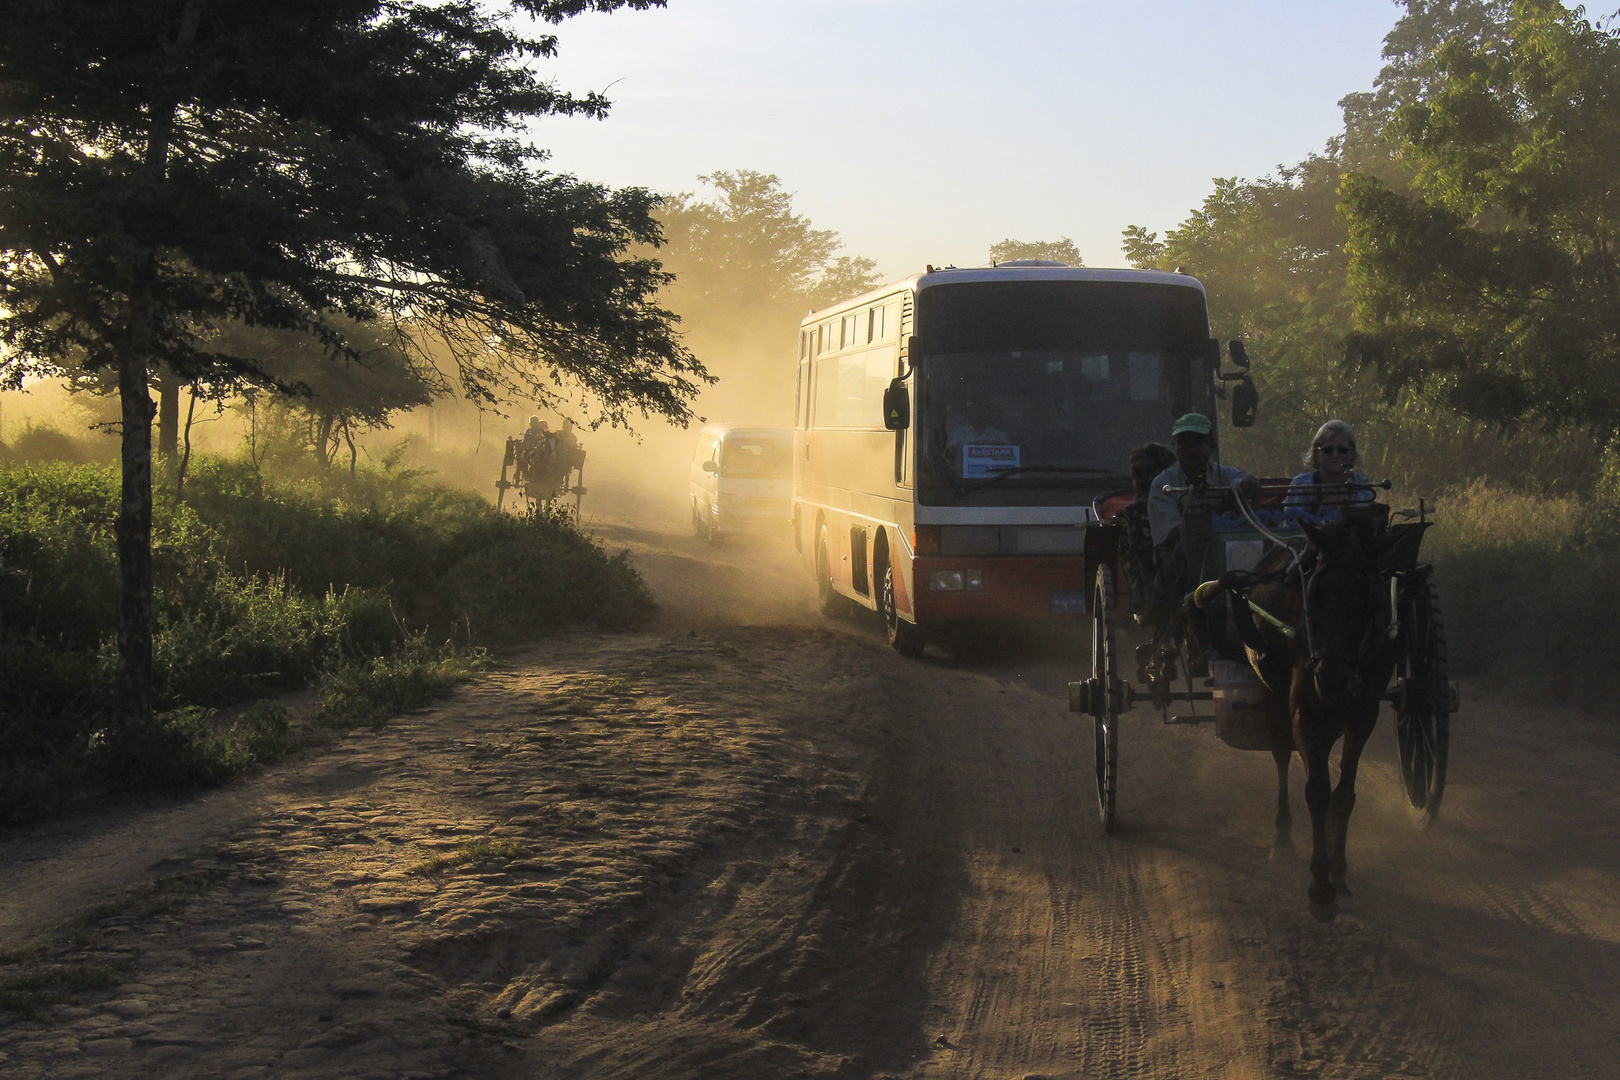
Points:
[(905, 638), (1423, 707), (1105, 694)]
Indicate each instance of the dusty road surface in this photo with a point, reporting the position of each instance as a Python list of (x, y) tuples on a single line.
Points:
[(747, 843)]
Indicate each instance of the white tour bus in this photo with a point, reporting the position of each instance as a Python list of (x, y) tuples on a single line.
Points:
[(954, 429)]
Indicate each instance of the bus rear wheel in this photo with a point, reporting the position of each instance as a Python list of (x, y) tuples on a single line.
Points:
[(905, 638)]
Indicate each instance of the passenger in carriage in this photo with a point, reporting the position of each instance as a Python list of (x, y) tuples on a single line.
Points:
[(1330, 460), (1147, 462)]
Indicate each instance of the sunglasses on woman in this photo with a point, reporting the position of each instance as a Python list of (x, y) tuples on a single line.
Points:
[(1335, 449)]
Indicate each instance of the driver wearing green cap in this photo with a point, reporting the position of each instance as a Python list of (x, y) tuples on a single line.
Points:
[(1179, 569), (1193, 441)]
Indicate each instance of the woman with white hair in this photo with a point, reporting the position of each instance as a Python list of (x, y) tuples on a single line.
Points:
[(1330, 460)]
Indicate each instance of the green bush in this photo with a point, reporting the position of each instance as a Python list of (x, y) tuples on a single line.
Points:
[(366, 690), (261, 586), (192, 747), (1529, 584), (535, 573)]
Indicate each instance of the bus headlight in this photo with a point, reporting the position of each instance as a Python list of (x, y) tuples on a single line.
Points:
[(955, 580)]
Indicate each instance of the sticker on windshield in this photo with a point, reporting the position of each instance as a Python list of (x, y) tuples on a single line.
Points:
[(980, 459)]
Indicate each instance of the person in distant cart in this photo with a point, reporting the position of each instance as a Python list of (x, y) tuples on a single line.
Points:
[(1182, 560), (534, 450), (567, 442)]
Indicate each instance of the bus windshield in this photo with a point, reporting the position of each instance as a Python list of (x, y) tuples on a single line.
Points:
[(1035, 396), (757, 459)]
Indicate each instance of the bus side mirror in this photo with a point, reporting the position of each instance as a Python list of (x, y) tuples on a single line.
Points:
[(1245, 402), (1239, 353), (896, 406)]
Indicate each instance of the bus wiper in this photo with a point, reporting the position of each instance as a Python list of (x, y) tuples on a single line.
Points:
[(1027, 470)]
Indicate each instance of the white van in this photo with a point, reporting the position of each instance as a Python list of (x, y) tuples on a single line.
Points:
[(741, 481)]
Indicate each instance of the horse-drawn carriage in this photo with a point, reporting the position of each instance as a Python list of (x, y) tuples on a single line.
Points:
[(1309, 627), (543, 469)]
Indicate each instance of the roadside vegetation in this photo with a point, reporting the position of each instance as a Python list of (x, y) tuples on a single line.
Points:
[(1441, 276), (380, 590)]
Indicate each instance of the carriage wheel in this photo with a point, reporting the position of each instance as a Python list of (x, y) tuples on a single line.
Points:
[(1423, 709), (1106, 694)]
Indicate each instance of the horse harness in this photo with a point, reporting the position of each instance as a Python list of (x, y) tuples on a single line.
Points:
[(1375, 638)]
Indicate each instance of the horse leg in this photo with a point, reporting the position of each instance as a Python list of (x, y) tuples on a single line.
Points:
[(1313, 748), (1284, 839), (1344, 795)]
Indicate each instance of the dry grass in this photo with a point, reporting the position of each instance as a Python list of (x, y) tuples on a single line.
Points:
[(1530, 585)]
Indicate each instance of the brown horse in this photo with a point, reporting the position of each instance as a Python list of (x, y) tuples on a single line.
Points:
[(1316, 626)]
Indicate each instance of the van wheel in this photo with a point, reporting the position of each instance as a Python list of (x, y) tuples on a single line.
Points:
[(905, 638), (825, 593)]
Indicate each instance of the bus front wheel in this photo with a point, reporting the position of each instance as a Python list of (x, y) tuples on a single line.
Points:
[(826, 595), (905, 638)]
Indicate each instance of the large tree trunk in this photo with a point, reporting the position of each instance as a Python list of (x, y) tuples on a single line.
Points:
[(168, 415), (134, 526), (133, 529)]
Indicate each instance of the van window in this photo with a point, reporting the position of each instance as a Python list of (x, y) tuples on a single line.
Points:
[(757, 459)]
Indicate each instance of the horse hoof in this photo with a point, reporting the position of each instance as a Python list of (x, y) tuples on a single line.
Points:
[(1324, 913), (1322, 895), (1341, 888)]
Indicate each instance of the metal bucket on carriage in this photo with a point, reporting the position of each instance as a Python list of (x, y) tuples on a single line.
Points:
[(1240, 706)]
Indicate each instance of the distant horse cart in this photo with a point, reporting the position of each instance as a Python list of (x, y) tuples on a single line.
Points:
[(543, 470), (1311, 626)]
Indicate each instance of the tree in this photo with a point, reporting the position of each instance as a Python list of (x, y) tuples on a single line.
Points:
[(166, 165), (746, 249), (1492, 285), (746, 267), (337, 398), (1060, 250)]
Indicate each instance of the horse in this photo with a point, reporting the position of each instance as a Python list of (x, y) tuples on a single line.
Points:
[(1322, 646)]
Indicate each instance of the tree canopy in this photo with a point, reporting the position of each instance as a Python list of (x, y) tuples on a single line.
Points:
[(747, 266), (169, 165), (1060, 250), (1371, 280), (165, 163), (1491, 285)]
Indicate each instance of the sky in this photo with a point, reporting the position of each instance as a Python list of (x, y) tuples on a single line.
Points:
[(923, 131)]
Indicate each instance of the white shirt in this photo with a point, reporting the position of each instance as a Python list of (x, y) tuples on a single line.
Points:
[(1164, 511)]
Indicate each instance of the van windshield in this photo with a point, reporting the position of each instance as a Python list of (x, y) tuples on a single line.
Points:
[(756, 459)]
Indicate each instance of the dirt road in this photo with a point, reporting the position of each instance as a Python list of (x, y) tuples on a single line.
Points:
[(747, 843)]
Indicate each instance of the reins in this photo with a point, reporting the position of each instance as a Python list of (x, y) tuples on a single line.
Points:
[(1378, 631)]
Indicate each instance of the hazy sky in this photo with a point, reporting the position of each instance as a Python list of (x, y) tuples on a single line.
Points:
[(926, 130)]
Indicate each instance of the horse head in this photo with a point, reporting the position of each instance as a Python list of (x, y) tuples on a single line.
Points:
[(1346, 608)]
